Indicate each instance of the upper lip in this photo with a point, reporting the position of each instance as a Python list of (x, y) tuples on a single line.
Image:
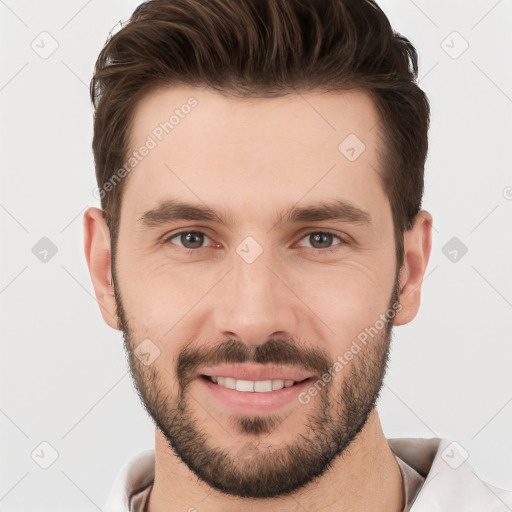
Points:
[(255, 372)]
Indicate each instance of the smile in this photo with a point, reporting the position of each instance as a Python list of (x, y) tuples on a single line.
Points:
[(252, 386)]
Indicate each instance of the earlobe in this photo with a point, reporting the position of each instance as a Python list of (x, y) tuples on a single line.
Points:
[(98, 255), (417, 247)]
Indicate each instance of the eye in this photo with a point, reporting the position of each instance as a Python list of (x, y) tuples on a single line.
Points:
[(188, 239), (322, 240)]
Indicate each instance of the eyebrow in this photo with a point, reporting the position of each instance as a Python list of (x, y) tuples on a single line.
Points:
[(173, 210)]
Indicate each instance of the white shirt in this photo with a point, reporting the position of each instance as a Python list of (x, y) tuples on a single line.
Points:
[(436, 477)]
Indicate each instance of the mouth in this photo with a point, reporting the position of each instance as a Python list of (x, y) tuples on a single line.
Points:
[(252, 386), (254, 389)]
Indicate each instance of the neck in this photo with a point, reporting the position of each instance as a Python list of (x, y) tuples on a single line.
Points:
[(365, 477)]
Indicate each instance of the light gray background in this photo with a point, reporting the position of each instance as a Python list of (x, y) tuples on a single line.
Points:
[(63, 373)]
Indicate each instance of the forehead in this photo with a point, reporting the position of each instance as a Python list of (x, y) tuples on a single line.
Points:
[(209, 148)]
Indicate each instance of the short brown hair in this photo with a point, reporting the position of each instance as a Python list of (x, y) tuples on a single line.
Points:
[(265, 48)]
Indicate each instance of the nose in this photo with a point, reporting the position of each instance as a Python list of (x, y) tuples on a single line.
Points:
[(255, 302)]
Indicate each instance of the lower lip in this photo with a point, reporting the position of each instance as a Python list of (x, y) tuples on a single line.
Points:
[(247, 402)]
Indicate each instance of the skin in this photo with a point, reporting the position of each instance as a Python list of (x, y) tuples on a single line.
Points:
[(253, 159)]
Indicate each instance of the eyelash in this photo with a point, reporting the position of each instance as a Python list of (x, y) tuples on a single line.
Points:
[(318, 251)]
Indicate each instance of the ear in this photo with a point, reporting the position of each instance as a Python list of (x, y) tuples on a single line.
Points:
[(97, 254), (417, 246)]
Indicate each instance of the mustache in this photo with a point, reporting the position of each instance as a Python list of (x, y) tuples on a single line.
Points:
[(275, 351)]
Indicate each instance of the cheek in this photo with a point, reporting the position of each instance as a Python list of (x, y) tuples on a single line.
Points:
[(154, 293), (348, 299)]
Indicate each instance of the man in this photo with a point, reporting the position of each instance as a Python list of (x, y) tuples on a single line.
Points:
[(260, 167)]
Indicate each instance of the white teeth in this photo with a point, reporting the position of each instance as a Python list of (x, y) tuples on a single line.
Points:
[(277, 384), (227, 382), (262, 386), (244, 385), (258, 386)]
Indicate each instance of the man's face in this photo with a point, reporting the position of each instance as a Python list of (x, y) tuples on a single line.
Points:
[(251, 297)]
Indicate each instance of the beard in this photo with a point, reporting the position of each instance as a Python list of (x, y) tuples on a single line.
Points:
[(335, 417)]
